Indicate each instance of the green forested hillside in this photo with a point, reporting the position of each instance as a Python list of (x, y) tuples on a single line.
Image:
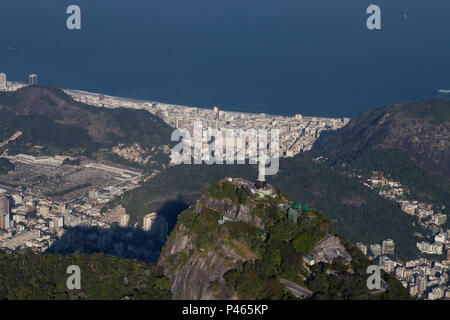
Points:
[(419, 130), (176, 185), (356, 212), (31, 275), (423, 184), (256, 260), (409, 142), (51, 123)]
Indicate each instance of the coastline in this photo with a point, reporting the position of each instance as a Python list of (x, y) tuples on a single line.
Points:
[(71, 91), (133, 100), (297, 133)]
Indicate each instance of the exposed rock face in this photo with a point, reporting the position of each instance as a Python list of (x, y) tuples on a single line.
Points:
[(224, 205), (231, 210), (196, 278), (330, 249), (245, 216), (181, 243)]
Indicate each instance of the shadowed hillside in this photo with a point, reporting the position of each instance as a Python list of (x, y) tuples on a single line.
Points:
[(420, 130)]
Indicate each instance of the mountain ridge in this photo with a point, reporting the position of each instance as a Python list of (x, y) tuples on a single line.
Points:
[(238, 242), (421, 130), (51, 119)]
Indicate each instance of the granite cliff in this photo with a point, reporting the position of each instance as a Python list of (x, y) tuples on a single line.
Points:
[(241, 242)]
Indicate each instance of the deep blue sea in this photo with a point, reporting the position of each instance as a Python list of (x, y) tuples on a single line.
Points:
[(314, 57)]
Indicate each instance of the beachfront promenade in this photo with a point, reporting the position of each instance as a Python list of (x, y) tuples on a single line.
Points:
[(297, 133)]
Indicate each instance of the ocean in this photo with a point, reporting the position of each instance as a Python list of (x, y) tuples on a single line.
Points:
[(313, 57)]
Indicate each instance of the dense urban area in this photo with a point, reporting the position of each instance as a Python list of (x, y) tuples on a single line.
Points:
[(53, 205)]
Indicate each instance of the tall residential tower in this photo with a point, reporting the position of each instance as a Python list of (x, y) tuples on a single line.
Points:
[(2, 81), (32, 79)]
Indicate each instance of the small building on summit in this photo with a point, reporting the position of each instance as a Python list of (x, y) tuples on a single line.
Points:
[(293, 215), (294, 211), (308, 260)]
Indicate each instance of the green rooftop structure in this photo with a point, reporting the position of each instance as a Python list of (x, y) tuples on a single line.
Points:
[(263, 233), (294, 211), (295, 204), (308, 260)]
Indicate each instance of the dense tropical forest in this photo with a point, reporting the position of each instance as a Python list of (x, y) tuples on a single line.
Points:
[(29, 275), (52, 123), (357, 213)]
